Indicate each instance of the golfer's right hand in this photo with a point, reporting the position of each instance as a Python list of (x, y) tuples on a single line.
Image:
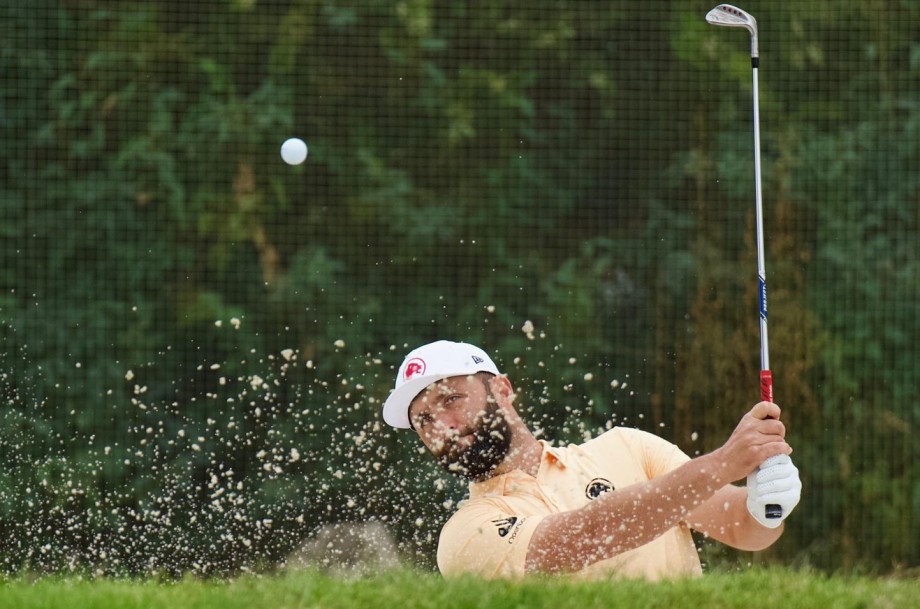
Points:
[(759, 435)]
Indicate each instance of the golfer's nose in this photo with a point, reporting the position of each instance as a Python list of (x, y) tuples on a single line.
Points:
[(451, 421)]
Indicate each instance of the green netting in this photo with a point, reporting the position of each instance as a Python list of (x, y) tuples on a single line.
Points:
[(197, 337)]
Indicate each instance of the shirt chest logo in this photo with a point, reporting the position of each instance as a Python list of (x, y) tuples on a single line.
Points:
[(597, 487)]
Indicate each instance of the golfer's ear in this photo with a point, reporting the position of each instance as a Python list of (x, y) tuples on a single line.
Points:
[(501, 387)]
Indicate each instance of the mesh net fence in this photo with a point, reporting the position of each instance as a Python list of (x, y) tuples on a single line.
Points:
[(197, 337)]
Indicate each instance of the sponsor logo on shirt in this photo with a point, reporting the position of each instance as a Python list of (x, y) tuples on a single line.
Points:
[(511, 525), (597, 487), (505, 525)]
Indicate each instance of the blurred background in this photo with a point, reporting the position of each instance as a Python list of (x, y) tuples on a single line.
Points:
[(196, 338)]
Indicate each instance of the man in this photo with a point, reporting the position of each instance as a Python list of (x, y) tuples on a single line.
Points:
[(619, 505)]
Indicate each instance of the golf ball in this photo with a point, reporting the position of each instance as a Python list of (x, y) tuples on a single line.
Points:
[(294, 151)]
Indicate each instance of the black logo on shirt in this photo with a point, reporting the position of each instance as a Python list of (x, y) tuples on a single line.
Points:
[(505, 525), (597, 487)]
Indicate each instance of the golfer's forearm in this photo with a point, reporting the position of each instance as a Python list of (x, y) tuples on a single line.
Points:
[(623, 519), (725, 518), (751, 536)]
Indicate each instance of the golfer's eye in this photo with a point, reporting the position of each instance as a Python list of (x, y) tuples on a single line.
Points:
[(451, 399)]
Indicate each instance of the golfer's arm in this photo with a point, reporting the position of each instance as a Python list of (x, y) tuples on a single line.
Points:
[(623, 519), (725, 518)]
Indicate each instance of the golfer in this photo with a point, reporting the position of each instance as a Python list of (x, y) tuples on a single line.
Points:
[(620, 505)]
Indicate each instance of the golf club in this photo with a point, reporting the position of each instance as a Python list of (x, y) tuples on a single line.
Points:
[(726, 15)]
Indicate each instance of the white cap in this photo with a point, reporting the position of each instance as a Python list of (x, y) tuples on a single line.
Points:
[(429, 364)]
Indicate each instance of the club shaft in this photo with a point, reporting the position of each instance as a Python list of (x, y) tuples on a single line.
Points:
[(771, 511), (766, 381)]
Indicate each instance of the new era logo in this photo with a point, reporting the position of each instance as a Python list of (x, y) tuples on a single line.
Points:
[(478, 359)]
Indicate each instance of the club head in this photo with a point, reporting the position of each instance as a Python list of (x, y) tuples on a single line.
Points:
[(727, 15)]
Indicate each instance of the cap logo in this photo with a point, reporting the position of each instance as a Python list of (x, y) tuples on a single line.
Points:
[(413, 367), (477, 359)]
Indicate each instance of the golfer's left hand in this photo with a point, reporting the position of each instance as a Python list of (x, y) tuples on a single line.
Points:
[(774, 489)]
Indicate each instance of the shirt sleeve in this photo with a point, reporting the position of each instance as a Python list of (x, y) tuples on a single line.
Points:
[(485, 539), (657, 455)]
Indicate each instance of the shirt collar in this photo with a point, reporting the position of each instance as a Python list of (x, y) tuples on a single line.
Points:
[(550, 457)]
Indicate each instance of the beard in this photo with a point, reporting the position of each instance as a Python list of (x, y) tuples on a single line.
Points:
[(490, 446)]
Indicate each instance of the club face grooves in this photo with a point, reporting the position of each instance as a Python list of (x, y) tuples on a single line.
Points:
[(731, 16), (727, 15)]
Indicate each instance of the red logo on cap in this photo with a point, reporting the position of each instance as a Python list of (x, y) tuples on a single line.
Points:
[(413, 367)]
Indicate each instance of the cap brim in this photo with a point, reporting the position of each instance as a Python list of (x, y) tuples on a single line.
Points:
[(396, 407)]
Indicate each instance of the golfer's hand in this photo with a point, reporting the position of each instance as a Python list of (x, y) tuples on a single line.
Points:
[(774, 489), (759, 435)]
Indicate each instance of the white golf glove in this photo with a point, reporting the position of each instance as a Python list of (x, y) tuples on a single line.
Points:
[(773, 490)]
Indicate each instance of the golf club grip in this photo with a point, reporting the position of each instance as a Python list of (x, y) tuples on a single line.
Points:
[(766, 386), (771, 510)]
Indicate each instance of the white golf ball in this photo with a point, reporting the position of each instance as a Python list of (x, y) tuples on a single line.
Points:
[(294, 151)]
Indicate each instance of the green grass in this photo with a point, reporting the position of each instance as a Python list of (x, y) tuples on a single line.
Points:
[(769, 589)]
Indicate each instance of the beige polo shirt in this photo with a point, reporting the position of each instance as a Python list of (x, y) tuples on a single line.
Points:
[(489, 534)]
